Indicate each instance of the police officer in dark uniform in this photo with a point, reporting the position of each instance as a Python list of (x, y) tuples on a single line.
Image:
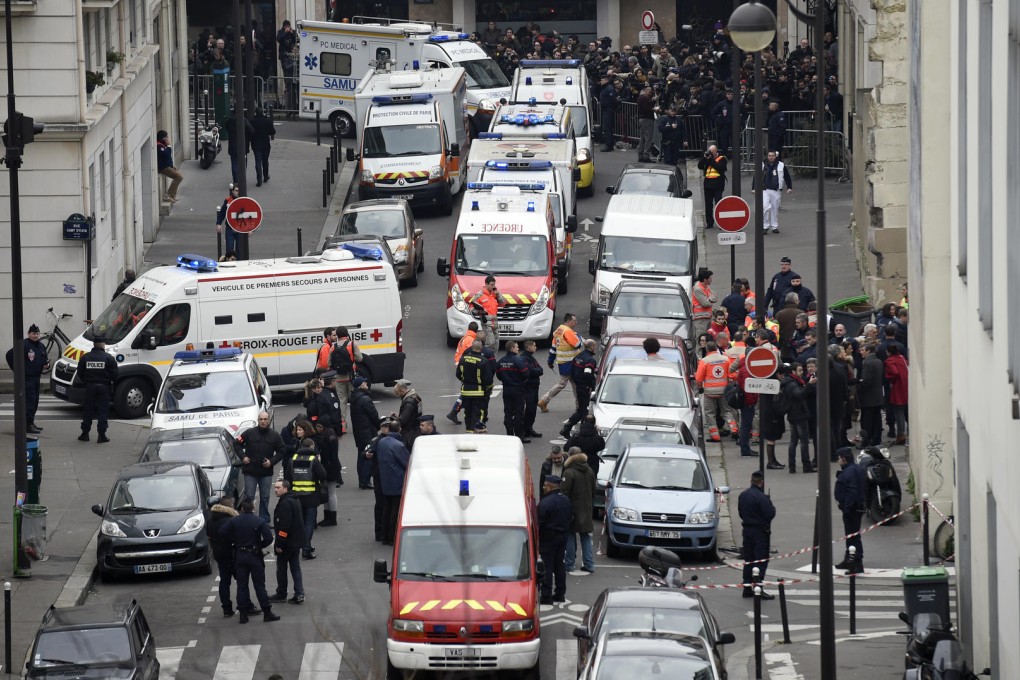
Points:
[(98, 370), (513, 372), (427, 425), (756, 514), (250, 535), (531, 387), (555, 514), (582, 372), (850, 493), (370, 454), (36, 363)]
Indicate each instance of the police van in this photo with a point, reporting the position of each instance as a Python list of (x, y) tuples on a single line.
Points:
[(509, 231), (562, 80), (464, 584), (335, 56), (662, 248), (413, 132), (273, 309)]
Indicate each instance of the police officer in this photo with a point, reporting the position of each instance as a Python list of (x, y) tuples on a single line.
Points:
[(36, 363), (756, 514), (288, 521), (582, 372), (555, 514), (249, 534), (531, 386), (373, 459), (851, 487), (475, 374), (307, 477), (513, 372), (98, 370), (427, 425)]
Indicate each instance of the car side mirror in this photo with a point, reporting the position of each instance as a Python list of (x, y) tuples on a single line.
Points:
[(726, 639), (212, 500), (581, 633), (599, 218), (418, 233), (610, 191), (150, 407), (97, 509), (380, 572), (724, 490), (905, 618), (442, 267), (455, 149), (591, 267), (350, 155), (686, 193), (571, 224)]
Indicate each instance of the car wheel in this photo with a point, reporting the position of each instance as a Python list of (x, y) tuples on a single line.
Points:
[(105, 576), (712, 554), (421, 261), (446, 202), (561, 286), (342, 125), (450, 340), (392, 672), (532, 673), (594, 325), (413, 281), (131, 397)]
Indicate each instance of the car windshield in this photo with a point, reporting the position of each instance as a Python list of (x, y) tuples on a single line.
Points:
[(154, 492), (119, 318), (384, 223), (86, 646), (402, 140), (663, 472), (508, 254), (648, 306), (579, 120), (629, 667), (658, 183), (670, 354), (644, 390), (671, 257), (662, 620), (619, 438), (207, 452), (483, 74), (464, 554), (205, 392)]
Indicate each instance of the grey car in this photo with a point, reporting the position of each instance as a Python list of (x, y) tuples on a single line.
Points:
[(211, 448), (648, 307), (391, 219)]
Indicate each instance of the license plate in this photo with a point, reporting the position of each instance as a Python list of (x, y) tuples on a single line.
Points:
[(663, 534), (60, 389), (406, 197), (505, 328), (463, 652), (152, 568)]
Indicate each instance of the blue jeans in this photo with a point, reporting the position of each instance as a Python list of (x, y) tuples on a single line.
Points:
[(587, 553), (230, 240), (311, 514), (262, 485)]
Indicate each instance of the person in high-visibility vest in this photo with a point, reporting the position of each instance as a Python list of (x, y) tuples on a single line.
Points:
[(702, 299), (322, 357), (462, 346), (566, 344), (713, 376), (714, 166), (489, 300)]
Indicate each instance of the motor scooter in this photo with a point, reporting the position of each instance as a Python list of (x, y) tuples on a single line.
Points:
[(884, 492), (209, 145), (662, 569)]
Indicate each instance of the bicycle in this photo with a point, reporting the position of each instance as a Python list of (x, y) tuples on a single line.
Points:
[(944, 541), (55, 340)]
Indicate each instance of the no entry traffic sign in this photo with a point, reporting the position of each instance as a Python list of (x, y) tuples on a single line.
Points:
[(761, 362), (647, 20), (732, 213), (244, 215)]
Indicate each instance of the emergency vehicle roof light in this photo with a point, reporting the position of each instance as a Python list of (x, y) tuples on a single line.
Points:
[(363, 252), (438, 38), (490, 135), (415, 64), (538, 63), (208, 354), (522, 186), (465, 487), (531, 206), (474, 205), (390, 99), (570, 80), (527, 80), (519, 165), (532, 100), (196, 263), (555, 135)]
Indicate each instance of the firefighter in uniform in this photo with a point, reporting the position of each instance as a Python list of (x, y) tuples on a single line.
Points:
[(713, 376), (98, 370), (307, 477), (489, 300), (513, 372), (531, 386), (250, 535), (475, 373)]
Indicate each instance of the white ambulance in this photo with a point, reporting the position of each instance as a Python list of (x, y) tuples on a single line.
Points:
[(413, 131), (562, 80), (275, 310), (508, 231), (335, 56)]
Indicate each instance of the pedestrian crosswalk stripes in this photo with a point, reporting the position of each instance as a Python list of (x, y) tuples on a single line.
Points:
[(319, 661), (50, 408), (237, 662)]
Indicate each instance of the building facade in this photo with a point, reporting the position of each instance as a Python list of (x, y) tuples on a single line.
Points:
[(103, 76)]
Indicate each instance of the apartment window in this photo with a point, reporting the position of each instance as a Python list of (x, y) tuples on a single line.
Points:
[(133, 36), (103, 206), (962, 145), (986, 100), (92, 205), (1013, 188), (112, 191)]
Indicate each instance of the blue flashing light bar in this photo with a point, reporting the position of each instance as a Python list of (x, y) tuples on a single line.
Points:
[(533, 100), (527, 80), (527, 119), (363, 252), (197, 263), (555, 135), (390, 99), (474, 205), (558, 63), (531, 206), (447, 38), (490, 135), (519, 165), (208, 354), (523, 186), (465, 487)]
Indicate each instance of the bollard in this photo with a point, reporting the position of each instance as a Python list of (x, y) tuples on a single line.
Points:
[(318, 128), (336, 147), (325, 188), (814, 542), (853, 593), (332, 175), (7, 626), (332, 161), (924, 529), (757, 632), (219, 243), (782, 612), (300, 250)]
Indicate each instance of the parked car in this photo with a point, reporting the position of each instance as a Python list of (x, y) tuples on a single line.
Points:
[(153, 521), (651, 609), (391, 219), (662, 495), (211, 448), (651, 178), (626, 655), (94, 641), (648, 307), (628, 345), (632, 431)]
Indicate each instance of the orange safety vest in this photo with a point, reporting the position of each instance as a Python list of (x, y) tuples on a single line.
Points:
[(700, 311), (711, 172), (567, 344), (713, 374), (463, 346), (322, 362), (489, 303)]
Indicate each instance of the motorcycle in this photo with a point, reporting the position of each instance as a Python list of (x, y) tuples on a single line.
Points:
[(662, 569), (209, 145), (884, 492), (934, 653)]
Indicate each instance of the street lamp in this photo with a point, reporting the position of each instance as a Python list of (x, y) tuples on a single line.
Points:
[(752, 27)]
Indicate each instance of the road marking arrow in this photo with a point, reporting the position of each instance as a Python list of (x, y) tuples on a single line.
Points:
[(586, 223)]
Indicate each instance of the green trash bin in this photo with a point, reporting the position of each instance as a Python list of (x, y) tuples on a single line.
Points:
[(854, 313), (33, 530), (926, 589)]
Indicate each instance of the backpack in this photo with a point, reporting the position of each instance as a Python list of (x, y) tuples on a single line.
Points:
[(782, 402), (734, 395), (340, 359)]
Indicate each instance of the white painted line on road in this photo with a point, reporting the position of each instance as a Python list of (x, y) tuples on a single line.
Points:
[(845, 602), (566, 660), (321, 661), (169, 661), (201, 620), (778, 627), (211, 598), (872, 635), (206, 610), (237, 662), (871, 615), (781, 666)]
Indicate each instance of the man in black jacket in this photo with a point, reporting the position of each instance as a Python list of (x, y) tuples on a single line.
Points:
[(531, 386), (589, 441), (365, 424), (798, 392), (475, 374), (513, 372), (289, 525), (849, 492), (410, 411), (249, 535), (98, 370), (870, 396), (36, 363), (263, 133), (555, 514), (307, 478), (263, 449), (239, 152), (582, 372), (222, 549)]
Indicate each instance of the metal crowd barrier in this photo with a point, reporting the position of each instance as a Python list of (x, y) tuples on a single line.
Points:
[(800, 151), (205, 83)]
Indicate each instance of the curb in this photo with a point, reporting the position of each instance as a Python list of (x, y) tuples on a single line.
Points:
[(78, 584), (337, 201)]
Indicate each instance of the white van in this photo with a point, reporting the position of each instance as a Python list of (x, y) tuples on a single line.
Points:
[(274, 309), (649, 238)]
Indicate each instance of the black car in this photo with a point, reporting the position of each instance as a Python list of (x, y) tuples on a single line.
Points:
[(649, 609), (212, 448), (639, 654), (651, 178), (94, 642), (154, 521)]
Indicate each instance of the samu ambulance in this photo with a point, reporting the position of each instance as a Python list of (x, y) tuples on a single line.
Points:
[(335, 56), (507, 230), (464, 584), (564, 81), (273, 309), (413, 131)]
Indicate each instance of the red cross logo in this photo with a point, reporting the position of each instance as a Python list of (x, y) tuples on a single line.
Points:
[(225, 344), (375, 335)]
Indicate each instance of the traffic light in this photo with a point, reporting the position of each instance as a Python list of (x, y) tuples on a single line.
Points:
[(20, 130)]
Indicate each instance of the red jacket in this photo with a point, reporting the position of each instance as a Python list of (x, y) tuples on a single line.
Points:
[(896, 372), (750, 399)]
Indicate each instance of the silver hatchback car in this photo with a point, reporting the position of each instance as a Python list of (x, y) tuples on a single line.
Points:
[(391, 219)]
